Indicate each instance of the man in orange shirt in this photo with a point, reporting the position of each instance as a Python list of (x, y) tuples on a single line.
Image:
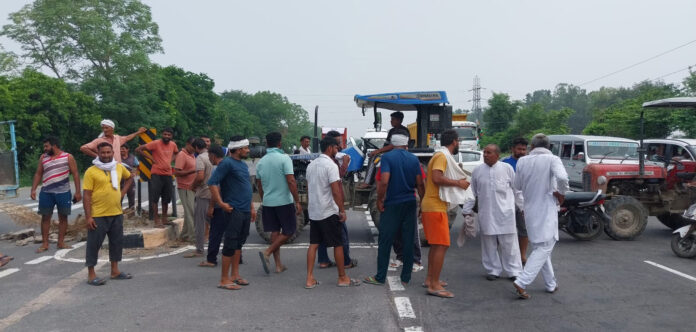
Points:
[(434, 213), (162, 152), (185, 172)]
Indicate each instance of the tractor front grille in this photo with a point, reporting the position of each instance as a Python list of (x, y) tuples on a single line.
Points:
[(586, 181)]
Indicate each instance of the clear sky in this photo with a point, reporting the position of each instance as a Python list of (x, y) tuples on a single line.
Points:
[(324, 52)]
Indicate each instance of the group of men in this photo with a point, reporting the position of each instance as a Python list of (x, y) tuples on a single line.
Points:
[(216, 194)]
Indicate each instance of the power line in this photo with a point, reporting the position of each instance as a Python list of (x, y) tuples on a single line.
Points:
[(672, 73), (637, 63)]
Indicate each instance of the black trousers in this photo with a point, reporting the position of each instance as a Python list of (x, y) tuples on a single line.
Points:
[(112, 227)]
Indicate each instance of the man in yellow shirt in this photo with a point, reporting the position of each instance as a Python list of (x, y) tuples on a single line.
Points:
[(434, 213), (102, 202)]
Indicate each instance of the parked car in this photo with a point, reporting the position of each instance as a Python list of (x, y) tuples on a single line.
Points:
[(469, 159)]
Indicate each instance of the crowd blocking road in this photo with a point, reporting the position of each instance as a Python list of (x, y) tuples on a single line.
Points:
[(603, 285)]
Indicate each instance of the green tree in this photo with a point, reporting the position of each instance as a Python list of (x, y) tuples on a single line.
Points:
[(499, 113), (9, 63)]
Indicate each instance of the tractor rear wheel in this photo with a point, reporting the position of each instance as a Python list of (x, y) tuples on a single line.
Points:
[(628, 218)]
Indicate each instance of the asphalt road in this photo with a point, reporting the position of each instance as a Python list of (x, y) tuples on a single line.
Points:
[(604, 285)]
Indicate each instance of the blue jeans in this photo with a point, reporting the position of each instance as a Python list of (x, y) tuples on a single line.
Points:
[(323, 256)]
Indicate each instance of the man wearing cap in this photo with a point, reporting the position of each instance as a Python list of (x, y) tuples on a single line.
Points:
[(230, 189), (108, 136), (396, 200)]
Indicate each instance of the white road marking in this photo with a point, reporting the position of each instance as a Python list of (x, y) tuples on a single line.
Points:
[(413, 329), (60, 254), (683, 275), (5, 273), (367, 213), (52, 294), (395, 283), (38, 260), (370, 223), (31, 204), (404, 308)]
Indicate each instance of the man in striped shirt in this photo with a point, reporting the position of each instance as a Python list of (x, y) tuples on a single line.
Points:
[(53, 171)]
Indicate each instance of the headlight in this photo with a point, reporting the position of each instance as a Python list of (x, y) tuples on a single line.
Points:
[(601, 180)]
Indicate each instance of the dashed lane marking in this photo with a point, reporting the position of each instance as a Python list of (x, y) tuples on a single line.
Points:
[(404, 308), (5, 273), (681, 274), (38, 260), (31, 204), (395, 283), (413, 329), (371, 224)]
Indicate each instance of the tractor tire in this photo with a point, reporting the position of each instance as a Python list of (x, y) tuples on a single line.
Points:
[(266, 236), (372, 207), (672, 220), (628, 218)]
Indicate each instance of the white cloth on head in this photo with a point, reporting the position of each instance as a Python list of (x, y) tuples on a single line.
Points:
[(451, 194), (539, 260), (501, 253), (109, 167), (107, 122), (538, 175), (238, 144), (492, 185), (399, 140)]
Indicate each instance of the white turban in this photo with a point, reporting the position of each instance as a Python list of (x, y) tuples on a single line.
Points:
[(238, 144), (107, 122), (399, 140)]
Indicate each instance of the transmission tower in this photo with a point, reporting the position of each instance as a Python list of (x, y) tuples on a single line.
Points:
[(476, 106)]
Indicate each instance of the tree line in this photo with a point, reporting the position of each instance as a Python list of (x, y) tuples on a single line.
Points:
[(569, 109), (85, 60)]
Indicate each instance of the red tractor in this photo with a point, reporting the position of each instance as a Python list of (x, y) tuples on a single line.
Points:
[(647, 189)]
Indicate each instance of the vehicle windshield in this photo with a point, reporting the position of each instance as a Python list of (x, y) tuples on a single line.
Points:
[(469, 156), (374, 143), (466, 133), (612, 150)]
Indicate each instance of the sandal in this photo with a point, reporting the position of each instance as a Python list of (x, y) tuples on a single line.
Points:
[(443, 293), (231, 286), (241, 282), (207, 264), (353, 282), (123, 276), (96, 282), (328, 265), (372, 281), (353, 263), (521, 292), (41, 249), (315, 284), (5, 259), (265, 262)]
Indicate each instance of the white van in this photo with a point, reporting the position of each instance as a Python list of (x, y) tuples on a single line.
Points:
[(577, 151)]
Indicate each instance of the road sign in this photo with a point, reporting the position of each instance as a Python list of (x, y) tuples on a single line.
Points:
[(146, 162)]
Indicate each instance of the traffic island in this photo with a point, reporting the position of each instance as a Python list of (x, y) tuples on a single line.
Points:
[(153, 237)]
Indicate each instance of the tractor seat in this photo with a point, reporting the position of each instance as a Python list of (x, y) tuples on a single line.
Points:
[(686, 175), (572, 198)]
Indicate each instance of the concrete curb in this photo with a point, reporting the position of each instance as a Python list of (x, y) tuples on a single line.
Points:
[(153, 237)]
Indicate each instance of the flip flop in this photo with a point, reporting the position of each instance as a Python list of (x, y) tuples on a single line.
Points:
[(41, 249), (207, 264), (353, 263), (315, 284), (353, 282), (231, 286), (97, 282), (443, 293), (520, 292), (372, 281), (241, 282), (330, 264), (442, 283), (4, 260), (264, 262), (123, 276)]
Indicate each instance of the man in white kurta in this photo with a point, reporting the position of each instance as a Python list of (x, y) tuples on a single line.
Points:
[(543, 182), (491, 183)]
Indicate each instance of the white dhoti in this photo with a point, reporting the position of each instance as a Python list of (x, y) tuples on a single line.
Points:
[(501, 253), (539, 260)]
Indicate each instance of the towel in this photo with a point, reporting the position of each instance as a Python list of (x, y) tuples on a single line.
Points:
[(468, 230), (109, 167), (454, 196)]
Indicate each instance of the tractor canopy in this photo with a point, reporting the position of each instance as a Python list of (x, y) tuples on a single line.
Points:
[(401, 101)]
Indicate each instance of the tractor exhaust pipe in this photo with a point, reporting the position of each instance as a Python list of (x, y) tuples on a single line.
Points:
[(315, 140)]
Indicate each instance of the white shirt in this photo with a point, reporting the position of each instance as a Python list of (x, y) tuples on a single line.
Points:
[(496, 198), (305, 151), (321, 173), (538, 176)]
